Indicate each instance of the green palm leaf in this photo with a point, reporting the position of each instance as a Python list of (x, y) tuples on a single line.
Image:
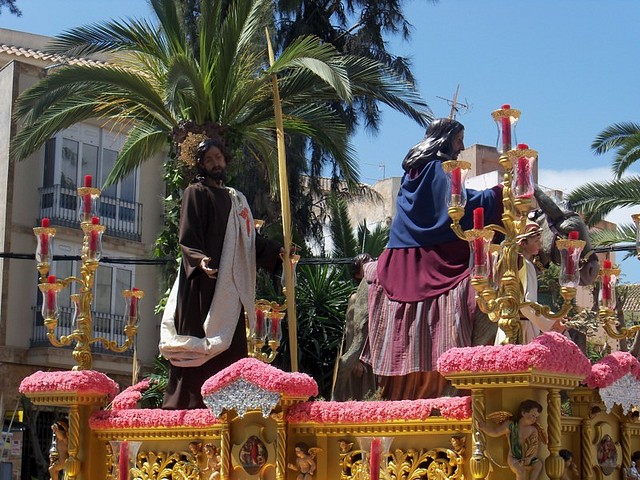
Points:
[(623, 233), (143, 141), (625, 138), (596, 200), (345, 243)]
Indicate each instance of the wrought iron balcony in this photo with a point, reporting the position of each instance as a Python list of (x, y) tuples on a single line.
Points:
[(123, 219), (105, 325)]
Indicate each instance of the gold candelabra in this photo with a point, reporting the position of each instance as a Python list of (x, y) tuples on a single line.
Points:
[(51, 287), (494, 272), (264, 338), (607, 312)]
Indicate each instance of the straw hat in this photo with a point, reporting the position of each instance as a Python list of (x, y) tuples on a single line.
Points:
[(531, 229)]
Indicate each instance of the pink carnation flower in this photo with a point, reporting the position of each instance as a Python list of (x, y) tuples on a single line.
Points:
[(151, 418), (549, 352), (83, 381), (130, 396), (458, 408), (611, 368), (265, 376)]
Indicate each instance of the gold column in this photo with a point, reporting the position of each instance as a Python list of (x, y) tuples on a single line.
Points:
[(225, 450), (625, 444), (281, 448), (478, 464), (586, 470), (554, 463), (72, 465)]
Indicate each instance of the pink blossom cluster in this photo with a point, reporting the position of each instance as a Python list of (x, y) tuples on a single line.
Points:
[(549, 352), (82, 381), (457, 408), (151, 418), (130, 396), (611, 368), (263, 375)]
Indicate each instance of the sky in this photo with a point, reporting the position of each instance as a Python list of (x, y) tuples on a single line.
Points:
[(570, 66)]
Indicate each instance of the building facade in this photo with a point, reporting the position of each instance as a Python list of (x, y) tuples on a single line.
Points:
[(45, 186)]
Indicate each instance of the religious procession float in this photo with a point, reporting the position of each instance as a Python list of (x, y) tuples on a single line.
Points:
[(264, 423)]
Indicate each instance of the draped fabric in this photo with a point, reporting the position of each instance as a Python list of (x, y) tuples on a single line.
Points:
[(203, 224), (421, 302), (410, 337), (424, 257)]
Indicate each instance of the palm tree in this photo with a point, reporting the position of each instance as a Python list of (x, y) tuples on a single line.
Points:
[(161, 86), (596, 200)]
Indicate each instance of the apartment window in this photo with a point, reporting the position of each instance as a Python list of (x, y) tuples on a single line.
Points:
[(84, 150)]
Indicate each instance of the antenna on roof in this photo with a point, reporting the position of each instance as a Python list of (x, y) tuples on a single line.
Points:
[(456, 106)]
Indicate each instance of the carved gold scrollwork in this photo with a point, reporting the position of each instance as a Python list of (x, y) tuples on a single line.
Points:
[(434, 464), (165, 466)]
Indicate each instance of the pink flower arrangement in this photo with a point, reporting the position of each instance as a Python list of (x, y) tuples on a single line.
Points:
[(82, 381), (611, 368), (549, 352), (151, 418), (265, 376), (130, 396), (457, 408)]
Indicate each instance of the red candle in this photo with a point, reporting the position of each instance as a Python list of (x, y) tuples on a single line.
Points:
[(456, 181), (123, 461), (506, 130), (606, 281), (50, 299), (571, 263), (374, 459), (44, 238), (479, 258), (133, 306), (522, 178), (275, 323), (259, 323), (93, 236), (478, 218), (86, 199)]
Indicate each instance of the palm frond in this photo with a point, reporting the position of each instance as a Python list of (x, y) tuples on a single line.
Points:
[(625, 137), (598, 199), (623, 233), (112, 36), (310, 54), (373, 241), (143, 142), (29, 139), (345, 243)]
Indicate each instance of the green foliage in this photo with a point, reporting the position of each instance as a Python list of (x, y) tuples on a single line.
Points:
[(152, 397), (596, 200), (322, 294)]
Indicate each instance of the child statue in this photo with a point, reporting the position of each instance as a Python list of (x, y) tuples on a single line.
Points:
[(305, 461), (524, 434)]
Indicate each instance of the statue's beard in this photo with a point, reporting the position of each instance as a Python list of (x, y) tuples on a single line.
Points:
[(217, 175)]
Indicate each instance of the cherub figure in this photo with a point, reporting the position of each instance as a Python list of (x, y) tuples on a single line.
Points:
[(524, 435), (570, 471), (458, 443), (211, 471), (198, 454), (305, 461), (344, 446), (59, 451)]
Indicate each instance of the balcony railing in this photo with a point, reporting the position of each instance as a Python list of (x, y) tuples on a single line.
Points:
[(123, 219), (105, 325)]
